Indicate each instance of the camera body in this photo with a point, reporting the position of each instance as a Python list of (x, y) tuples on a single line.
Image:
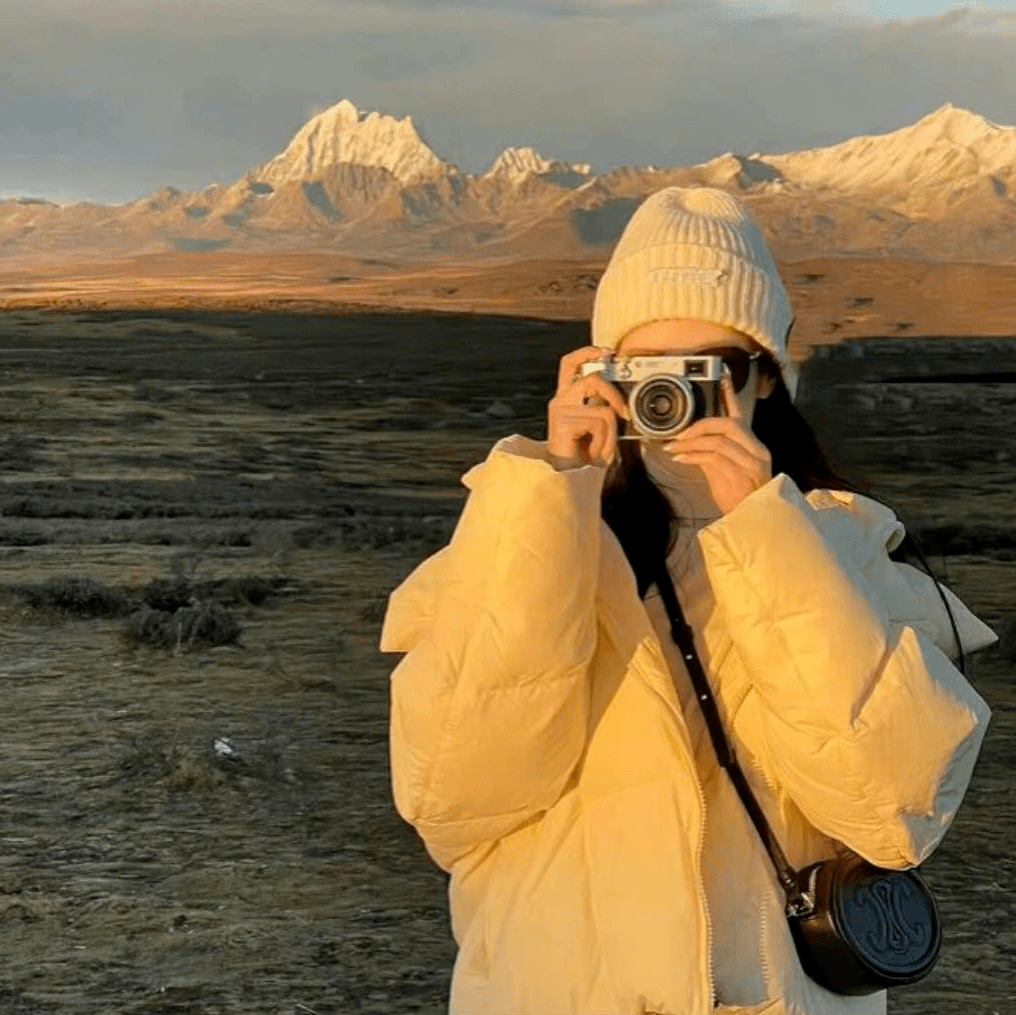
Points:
[(665, 394)]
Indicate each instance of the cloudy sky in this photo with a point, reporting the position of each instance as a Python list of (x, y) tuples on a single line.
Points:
[(107, 100)]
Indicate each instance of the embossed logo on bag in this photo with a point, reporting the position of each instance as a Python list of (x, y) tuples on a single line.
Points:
[(887, 899), (712, 277)]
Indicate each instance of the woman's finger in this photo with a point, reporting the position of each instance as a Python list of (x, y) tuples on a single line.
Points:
[(572, 361), (595, 427), (695, 447), (595, 386), (727, 395), (713, 461), (719, 428), (728, 482)]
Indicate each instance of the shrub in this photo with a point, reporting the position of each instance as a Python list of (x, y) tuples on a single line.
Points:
[(83, 597), (173, 593), (203, 622)]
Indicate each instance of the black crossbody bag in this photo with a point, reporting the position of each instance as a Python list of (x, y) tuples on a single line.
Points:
[(857, 928)]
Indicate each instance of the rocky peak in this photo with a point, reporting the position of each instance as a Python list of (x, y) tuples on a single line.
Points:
[(343, 133), (516, 164)]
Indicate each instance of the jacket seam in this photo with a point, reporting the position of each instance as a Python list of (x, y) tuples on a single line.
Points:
[(569, 675), (455, 823)]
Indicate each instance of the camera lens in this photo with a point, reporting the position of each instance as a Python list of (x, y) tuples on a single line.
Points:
[(663, 404)]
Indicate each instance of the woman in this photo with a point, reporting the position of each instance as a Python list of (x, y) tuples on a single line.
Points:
[(545, 740)]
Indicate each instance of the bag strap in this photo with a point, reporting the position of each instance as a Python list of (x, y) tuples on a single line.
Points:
[(682, 634)]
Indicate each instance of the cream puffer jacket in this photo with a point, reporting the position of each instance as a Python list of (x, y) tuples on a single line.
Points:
[(540, 751)]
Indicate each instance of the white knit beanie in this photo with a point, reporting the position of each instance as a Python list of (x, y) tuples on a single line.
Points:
[(694, 252)]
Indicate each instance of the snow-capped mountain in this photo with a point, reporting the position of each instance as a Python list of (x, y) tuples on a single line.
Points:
[(344, 134), (516, 164), (365, 184), (947, 155)]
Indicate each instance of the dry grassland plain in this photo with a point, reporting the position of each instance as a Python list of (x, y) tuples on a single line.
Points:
[(211, 481)]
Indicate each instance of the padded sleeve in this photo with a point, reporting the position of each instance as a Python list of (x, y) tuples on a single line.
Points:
[(863, 718), (489, 707)]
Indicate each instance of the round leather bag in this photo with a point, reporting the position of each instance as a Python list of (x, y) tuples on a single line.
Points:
[(870, 928)]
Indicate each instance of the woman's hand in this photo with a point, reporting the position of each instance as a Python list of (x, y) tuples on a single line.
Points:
[(579, 433), (733, 459)]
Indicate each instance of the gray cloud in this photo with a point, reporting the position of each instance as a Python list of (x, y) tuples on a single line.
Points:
[(539, 8), (111, 100)]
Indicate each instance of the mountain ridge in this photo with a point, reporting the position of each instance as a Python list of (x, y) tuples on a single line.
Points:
[(364, 183)]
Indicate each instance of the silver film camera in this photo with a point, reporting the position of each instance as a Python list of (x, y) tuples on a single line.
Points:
[(665, 394)]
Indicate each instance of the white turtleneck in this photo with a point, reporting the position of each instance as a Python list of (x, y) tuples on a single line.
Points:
[(687, 489)]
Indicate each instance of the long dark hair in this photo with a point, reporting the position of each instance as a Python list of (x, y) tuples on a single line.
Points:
[(646, 525)]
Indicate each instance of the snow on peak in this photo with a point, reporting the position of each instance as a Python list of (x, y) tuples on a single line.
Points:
[(941, 149), (348, 112), (342, 133), (957, 124), (518, 163)]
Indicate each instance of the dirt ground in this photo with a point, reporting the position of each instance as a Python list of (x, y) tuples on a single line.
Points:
[(200, 827), (833, 297)]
